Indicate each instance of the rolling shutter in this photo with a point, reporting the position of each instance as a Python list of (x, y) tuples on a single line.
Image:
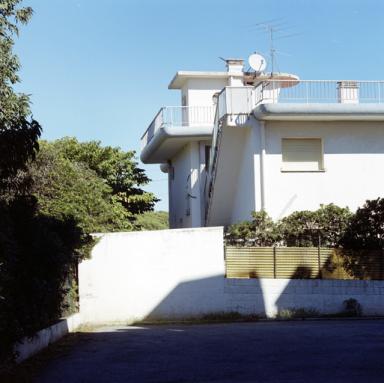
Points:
[(302, 154)]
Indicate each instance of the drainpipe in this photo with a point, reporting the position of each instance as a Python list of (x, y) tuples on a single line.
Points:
[(262, 165)]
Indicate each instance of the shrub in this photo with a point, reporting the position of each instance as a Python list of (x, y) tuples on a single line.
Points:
[(37, 254), (366, 228), (261, 231), (325, 226)]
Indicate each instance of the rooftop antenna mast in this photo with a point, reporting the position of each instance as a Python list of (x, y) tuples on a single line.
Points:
[(272, 51), (274, 28)]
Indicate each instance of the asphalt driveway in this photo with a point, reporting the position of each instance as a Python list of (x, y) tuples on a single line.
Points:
[(293, 351)]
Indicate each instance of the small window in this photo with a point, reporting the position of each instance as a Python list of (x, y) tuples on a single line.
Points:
[(302, 154), (207, 156)]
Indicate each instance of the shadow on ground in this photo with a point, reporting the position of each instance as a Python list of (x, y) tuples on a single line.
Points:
[(297, 351)]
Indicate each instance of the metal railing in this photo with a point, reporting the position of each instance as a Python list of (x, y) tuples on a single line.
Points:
[(319, 91), (303, 263), (235, 100), (179, 116)]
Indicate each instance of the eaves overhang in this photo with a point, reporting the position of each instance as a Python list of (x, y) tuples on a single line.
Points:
[(182, 76), (169, 140), (319, 112)]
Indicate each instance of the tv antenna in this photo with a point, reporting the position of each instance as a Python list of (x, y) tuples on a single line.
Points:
[(274, 28)]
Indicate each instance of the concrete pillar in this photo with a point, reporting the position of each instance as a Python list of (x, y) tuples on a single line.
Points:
[(348, 92)]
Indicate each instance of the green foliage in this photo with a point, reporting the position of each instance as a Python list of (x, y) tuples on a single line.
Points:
[(152, 220), (66, 188), (96, 185), (37, 254), (366, 230), (116, 167), (325, 226), (261, 231), (18, 133)]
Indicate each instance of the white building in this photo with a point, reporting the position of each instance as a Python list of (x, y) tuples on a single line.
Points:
[(245, 141)]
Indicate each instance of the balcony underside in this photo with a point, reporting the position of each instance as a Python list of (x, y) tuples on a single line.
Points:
[(319, 112), (167, 141)]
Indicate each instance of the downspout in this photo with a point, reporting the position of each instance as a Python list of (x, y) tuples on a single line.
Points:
[(262, 165)]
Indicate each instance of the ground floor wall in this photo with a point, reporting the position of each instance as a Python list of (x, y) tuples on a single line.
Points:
[(174, 274)]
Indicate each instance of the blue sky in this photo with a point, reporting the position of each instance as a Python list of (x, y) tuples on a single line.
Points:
[(99, 69)]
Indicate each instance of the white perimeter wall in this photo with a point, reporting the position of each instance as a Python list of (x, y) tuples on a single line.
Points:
[(172, 274), (353, 160)]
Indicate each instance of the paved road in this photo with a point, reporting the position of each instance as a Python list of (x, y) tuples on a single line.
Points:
[(303, 351)]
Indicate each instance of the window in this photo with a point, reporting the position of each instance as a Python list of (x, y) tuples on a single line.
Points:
[(302, 154), (207, 155)]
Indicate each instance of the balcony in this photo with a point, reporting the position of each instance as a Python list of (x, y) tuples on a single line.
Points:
[(172, 128), (179, 116)]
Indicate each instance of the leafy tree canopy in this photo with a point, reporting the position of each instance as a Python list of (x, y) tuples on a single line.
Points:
[(366, 230), (18, 132), (116, 167), (98, 186), (153, 220)]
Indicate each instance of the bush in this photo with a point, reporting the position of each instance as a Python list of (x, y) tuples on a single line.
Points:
[(261, 231), (37, 255), (366, 229), (325, 226)]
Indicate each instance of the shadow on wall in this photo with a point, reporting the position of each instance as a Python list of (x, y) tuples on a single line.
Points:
[(261, 297), (214, 295)]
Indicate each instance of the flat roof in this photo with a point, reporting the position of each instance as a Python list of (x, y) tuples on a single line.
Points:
[(182, 76)]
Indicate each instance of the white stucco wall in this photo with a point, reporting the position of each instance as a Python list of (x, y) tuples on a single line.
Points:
[(166, 273), (247, 192), (185, 188), (171, 274), (199, 92), (353, 160)]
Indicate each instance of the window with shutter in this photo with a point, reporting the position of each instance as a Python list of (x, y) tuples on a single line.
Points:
[(302, 154)]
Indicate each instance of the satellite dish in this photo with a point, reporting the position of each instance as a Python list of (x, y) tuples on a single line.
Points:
[(257, 62)]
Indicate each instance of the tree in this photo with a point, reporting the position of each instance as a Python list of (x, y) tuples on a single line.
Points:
[(18, 132), (95, 185), (116, 167), (366, 229), (153, 220), (69, 189)]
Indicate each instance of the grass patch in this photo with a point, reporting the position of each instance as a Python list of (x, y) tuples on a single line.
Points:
[(217, 317), (298, 313)]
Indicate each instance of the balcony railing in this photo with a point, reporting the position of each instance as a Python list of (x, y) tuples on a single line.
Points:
[(319, 91), (179, 116)]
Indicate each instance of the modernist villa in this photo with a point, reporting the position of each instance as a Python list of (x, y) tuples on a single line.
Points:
[(244, 141)]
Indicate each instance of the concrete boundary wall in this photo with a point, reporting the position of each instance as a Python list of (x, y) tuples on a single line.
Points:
[(179, 274), (42, 339)]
